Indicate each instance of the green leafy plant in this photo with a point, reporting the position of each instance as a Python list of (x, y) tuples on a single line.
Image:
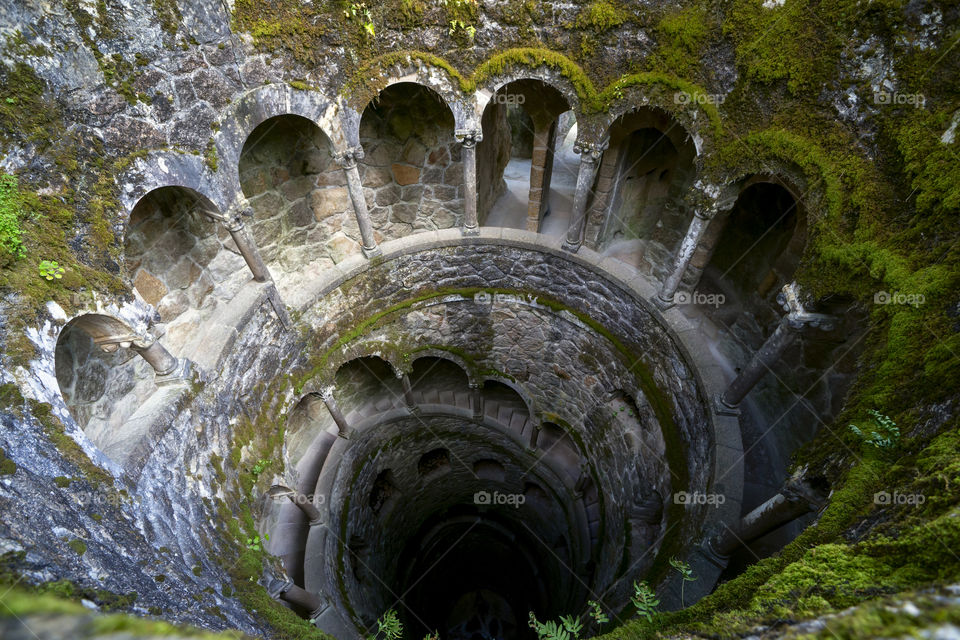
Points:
[(644, 600), (568, 628), (389, 627), (685, 572), (457, 26), (51, 270), (597, 613), (11, 211), (358, 12), (255, 543), (884, 435), (260, 467)]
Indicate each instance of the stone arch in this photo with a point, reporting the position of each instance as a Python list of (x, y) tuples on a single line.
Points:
[(754, 248), (433, 463), (638, 212), (172, 169), (303, 220), (260, 104), (361, 383), (411, 169), (507, 394), (180, 261), (520, 121), (429, 373), (103, 381)]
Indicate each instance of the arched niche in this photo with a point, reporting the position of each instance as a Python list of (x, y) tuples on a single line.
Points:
[(303, 219), (411, 171), (181, 261), (366, 384), (103, 382)]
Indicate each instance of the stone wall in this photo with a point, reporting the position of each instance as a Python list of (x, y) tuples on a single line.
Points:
[(493, 154), (411, 172)]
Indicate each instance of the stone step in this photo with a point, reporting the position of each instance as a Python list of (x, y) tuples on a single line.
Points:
[(462, 400)]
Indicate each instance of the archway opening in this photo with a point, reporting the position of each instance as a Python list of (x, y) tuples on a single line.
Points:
[(516, 159)]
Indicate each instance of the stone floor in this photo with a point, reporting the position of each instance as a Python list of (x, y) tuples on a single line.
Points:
[(510, 210)]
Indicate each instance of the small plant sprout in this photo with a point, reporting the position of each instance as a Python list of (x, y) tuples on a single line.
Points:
[(597, 613), (50, 270), (644, 600), (255, 544), (568, 628), (432, 636), (260, 467), (389, 627), (685, 572), (883, 435)]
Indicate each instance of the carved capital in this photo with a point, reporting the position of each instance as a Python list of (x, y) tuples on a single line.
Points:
[(797, 316), (590, 152), (468, 137), (349, 158)]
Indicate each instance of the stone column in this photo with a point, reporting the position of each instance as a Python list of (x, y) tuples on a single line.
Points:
[(534, 434), (348, 161), (795, 499), (245, 244), (539, 187), (162, 361), (290, 593), (469, 139), (407, 391), (476, 401), (590, 154), (701, 218), (774, 347), (302, 502), (343, 429)]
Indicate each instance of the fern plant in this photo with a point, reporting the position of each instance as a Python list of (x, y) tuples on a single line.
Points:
[(597, 613), (389, 627), (644, 600), (568, 628), (884, 435), (685, 572)]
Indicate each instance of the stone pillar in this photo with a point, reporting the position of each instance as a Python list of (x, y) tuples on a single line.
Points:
[(538, 164), (166, 367), (245, 244), (795, 499), (774, 347), (290, 593), (162, 361), (302, 502), (343, 429), (476, 401), (407, 391), (469, 139), (701, 218), (348, 161), (590, 154), (534, 434)]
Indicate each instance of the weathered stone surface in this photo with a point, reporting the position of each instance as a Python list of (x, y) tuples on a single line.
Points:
[(149, 287), (330, 201), (405, 174)]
